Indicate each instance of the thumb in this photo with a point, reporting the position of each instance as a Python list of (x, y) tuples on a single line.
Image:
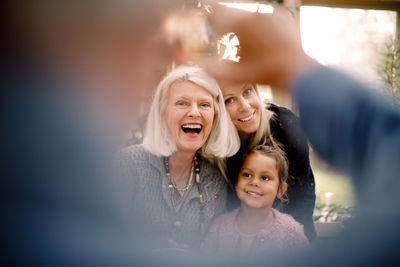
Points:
[(225, 70), (239, 72)]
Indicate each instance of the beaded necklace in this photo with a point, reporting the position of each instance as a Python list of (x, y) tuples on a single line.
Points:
[(171, 187)]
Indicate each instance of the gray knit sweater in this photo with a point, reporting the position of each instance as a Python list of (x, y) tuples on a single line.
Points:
[(151, 198)]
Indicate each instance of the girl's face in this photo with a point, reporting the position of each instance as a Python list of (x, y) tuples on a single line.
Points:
[(243, 105), (189, 115), (258, 182)]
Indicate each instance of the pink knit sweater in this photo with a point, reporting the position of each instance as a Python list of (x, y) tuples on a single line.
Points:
[(282, 233)]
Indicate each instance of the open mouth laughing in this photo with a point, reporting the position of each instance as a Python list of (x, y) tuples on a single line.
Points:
[(192, 128)]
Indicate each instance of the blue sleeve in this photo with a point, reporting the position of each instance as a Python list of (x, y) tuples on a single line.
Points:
[(352, 127)]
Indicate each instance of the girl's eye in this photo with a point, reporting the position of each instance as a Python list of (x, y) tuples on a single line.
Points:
[(228, 101), (247, 175), (265, 178)]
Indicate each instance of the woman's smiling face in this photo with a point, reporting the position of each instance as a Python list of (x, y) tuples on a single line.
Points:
[(243, 105), (189, 115)]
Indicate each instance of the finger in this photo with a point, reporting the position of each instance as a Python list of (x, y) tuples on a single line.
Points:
[(227, 70), (263, 72), (223, 19)]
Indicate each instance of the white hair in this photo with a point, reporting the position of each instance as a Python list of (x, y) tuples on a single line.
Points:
[(223, 140)]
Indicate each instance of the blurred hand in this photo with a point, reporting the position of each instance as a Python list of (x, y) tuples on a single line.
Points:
[(270, 46)]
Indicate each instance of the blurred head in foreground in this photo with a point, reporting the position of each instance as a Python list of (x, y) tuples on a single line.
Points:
[(113, 49), (60, 202)]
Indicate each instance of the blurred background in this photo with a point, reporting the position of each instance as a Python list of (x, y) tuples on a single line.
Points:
[(359, 37)]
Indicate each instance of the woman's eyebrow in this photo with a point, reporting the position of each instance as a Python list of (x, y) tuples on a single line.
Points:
[(206, 99), (181, 97), (228, 95), (247, 85)]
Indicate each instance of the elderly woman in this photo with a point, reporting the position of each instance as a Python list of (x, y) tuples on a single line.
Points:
[(177, 188)]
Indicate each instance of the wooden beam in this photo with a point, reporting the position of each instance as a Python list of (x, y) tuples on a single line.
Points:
[(363, 4), (398, 25)]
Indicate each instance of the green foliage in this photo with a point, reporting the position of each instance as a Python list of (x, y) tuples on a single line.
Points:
[(389, 70), (332, 213)]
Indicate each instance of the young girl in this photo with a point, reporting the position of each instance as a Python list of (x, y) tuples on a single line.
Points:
[(256, 226)]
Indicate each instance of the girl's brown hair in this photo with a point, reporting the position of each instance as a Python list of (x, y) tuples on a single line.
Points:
[(282, 164), (262, 136)]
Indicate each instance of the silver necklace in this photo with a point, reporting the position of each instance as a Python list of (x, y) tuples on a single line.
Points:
[(188, 184)]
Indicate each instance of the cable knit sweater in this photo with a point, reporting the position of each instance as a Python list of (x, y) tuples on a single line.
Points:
[(152, 203), (282, 233)]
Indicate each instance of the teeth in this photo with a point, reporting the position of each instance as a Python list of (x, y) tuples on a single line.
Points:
[(253, 194), (192, 126), (247, 119)]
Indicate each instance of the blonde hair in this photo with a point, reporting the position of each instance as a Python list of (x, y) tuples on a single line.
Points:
[(262, 136), (223, 140)]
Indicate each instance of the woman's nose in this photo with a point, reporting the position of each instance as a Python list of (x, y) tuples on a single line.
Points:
[(194, 111), (244, 104)]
